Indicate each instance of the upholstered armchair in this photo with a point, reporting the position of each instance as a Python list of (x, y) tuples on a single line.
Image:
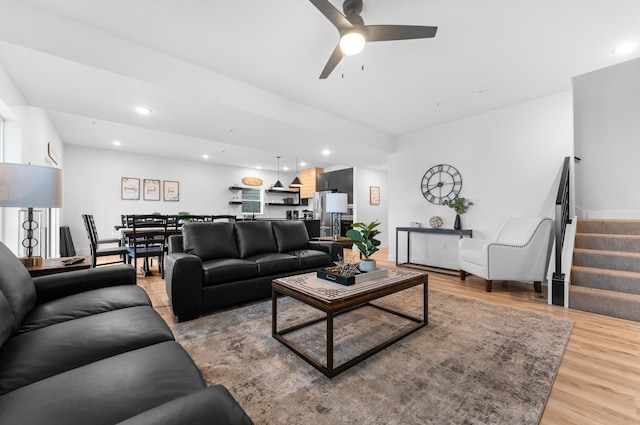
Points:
[(518, 251)]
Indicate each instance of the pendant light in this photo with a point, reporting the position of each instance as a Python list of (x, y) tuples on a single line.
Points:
[(296, 181), (278, 184)]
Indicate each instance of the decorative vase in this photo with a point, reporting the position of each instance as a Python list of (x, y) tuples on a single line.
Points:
[(367, 265), (456, 224)]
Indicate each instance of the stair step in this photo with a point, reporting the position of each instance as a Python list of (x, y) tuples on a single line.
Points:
[(617, 227), (608, 303), (608, 242), (610, 280), (614, 260)]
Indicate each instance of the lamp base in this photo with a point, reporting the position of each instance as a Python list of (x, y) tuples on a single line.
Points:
[(31, 261)]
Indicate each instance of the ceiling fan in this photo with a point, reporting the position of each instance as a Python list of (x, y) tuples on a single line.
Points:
[(354, 33)]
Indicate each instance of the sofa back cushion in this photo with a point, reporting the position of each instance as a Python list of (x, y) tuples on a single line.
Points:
[(16, 285), (255, 237), (291, 235), (7, 322), (210, 240)]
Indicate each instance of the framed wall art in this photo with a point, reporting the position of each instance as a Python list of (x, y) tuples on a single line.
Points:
[(171, 191), (151, 190), (129, 188), (374, 195)]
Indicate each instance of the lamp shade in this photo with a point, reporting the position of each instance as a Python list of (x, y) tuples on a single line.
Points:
[(337, 202), (30, 186)]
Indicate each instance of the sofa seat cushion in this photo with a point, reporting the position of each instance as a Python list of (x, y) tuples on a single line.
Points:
[(228, 270), (275, 263), (310, 258), (107, 391), (55, 349), (210, 240), (255, 237), (84, 304)]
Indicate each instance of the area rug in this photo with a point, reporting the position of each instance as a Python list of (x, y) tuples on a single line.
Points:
[(475, 363)]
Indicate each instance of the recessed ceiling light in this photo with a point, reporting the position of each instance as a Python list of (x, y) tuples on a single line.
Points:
[(117, 143), (205, 156), (326, 152), (625, 48), (285, 168), (303, 164), (143, 110), (259, 167)]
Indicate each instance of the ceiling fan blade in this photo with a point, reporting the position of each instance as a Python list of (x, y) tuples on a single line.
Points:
[(335, 58), (332, 14), (398, 32)]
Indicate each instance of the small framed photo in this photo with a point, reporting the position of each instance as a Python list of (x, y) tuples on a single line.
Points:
[(151, 190), (129, 188), (171, 191), (374, 195)]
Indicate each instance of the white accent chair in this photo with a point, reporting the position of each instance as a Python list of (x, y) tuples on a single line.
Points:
[(518, 251)]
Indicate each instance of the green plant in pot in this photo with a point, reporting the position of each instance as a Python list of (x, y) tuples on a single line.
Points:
[(460, 205), (364, 237), (183, 214)]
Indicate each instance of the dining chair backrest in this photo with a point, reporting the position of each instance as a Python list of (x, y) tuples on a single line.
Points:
[(92, 234), (229, 218), (148, 231)]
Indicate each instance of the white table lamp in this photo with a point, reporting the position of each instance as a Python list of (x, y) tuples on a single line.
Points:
[(30, 186), (336, 204)]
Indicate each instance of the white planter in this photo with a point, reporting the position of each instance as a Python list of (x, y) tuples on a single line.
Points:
[(367, 265)]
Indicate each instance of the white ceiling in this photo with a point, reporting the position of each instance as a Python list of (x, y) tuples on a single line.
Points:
[(238, 80)]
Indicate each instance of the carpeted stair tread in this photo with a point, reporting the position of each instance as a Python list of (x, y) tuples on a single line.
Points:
[(608, 242), (615, 260), (618, 227), (611, 280), (605, 275), (608, 303)]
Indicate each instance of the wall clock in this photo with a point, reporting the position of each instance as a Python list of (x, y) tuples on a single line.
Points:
[(441, 182)]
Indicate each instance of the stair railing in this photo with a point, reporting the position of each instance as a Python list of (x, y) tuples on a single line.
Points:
[(562, 219)]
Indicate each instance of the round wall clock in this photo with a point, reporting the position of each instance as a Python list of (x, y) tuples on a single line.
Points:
[(441, 182)]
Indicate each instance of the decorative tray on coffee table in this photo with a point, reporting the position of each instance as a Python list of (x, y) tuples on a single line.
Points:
[(333, 274)]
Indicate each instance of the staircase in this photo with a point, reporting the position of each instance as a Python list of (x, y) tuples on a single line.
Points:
[(605, 276)]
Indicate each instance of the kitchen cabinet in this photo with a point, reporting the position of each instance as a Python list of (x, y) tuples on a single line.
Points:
[(309, 178), (340, 181)]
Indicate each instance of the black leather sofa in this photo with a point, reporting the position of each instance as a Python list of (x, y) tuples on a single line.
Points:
[(215, 265), (86, 347)]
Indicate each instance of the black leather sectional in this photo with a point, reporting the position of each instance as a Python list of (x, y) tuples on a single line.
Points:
[(86, 347), (215, 265)]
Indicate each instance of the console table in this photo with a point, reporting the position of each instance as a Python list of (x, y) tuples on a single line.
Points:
[(456, 232)]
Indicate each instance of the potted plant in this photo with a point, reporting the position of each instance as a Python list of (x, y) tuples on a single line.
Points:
[(364, 237), (183, 214), (460, 205)]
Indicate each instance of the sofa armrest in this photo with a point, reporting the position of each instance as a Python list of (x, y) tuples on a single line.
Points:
[(212, 405), (184, 281), (332, 248), (60, 285)]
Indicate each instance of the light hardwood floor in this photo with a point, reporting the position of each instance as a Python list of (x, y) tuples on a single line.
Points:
[(599, 377)]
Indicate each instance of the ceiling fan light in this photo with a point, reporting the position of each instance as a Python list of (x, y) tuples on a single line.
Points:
[(352, 43)]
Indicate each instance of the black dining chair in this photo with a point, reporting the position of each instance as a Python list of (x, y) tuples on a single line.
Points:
[(95, 244), (147, 239)]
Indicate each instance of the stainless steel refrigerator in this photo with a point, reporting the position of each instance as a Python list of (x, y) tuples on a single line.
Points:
[(320, 212)]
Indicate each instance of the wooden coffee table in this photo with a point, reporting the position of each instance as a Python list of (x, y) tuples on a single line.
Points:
[(334, 299)]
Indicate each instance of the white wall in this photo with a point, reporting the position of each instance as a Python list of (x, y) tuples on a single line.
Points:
[(364, 212), (91, 182), (510, 160), (607, 128)]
